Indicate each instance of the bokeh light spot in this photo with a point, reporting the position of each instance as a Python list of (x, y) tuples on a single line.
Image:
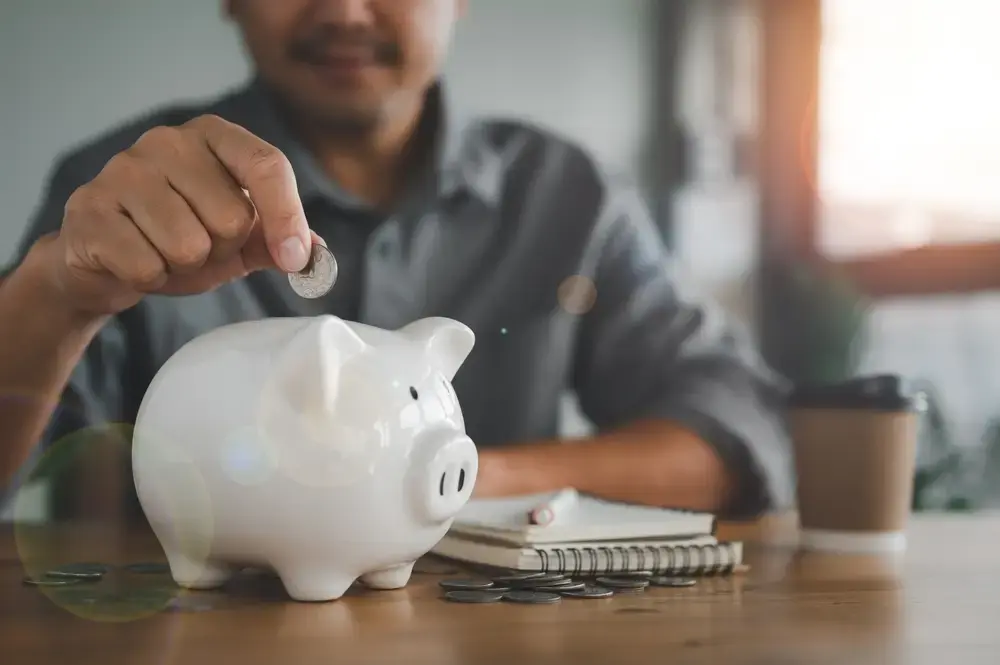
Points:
[(82, 570), (577, 295)]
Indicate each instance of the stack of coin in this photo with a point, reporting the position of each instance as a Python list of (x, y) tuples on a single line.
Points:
[(544, 588), (70, 574)]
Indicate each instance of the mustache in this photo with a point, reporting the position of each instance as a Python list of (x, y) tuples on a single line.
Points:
[(313, 47)]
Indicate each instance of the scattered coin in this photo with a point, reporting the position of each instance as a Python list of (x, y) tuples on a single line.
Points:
[(588, 591), (318, 277), (532, 597), (147, 568), (559, 588), (666, 581), (86, 571), (465, 585), (45, 580), (540, 580), (636, 573), (622, 582), (474, 596), (516, 577)]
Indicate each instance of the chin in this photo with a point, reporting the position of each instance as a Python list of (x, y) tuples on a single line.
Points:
[(351, 118), (324, 108)]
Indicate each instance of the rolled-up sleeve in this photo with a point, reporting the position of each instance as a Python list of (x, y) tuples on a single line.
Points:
[(650, 347)]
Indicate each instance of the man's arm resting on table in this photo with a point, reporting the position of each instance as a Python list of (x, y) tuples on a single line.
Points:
[(651, 462), (687, 414)]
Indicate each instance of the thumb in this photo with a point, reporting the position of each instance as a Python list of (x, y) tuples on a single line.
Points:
[(257, 254)]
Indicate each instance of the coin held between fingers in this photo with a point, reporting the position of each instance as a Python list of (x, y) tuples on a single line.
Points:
[(319, 275)]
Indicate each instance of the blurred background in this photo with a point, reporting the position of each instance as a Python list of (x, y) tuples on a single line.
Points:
[(828, 169)]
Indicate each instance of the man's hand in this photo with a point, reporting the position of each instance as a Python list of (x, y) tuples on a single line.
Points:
[(181, 212)]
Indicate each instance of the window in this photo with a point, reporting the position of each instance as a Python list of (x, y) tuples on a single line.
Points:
[(908, 126)]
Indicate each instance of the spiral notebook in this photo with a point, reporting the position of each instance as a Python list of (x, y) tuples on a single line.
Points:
[(590, 535)]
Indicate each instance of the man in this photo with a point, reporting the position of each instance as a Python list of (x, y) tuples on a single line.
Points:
[(191, 217)]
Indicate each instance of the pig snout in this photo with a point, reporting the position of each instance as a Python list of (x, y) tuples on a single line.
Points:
[(448, 474)]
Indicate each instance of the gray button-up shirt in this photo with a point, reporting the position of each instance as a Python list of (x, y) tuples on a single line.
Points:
[(488, 235)]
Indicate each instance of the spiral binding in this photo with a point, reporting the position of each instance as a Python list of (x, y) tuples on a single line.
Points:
[(708, 559)]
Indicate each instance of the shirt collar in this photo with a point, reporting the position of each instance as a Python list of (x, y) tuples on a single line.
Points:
[(463, 158)]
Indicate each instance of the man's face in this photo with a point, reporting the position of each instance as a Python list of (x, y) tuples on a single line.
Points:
[(347, 62)]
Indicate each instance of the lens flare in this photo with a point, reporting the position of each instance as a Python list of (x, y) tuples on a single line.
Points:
[(577, 295), (88, 570)]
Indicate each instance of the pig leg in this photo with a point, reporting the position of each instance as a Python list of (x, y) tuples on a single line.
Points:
[(396, 577), (192, 574), (316, 585)]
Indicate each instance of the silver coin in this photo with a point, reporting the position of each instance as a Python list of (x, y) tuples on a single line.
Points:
[(532, 597), (622, 582), (549, 579), (479, 596), (318, 277), (559, 588), (84, 571), (588, 591), (52, 581), (465, 585), (516, 577), (666, 581), (560, 584)]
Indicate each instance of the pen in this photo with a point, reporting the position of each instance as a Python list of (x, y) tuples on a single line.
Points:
[(559, 504)]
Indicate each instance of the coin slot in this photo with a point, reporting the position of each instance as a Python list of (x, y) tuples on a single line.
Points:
[(461, 479), (441, 483)]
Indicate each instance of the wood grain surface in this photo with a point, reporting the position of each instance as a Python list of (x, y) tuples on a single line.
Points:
[(938, 603)]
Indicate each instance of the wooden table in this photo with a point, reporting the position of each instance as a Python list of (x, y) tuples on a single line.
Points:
[(940, 603)]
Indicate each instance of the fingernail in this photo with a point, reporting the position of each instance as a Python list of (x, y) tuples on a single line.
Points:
[(293, 255)]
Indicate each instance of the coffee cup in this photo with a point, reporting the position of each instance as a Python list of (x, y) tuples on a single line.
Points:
[(855, 454)]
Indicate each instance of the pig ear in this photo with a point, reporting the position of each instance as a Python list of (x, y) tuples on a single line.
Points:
[(312, 362), (446, 343)]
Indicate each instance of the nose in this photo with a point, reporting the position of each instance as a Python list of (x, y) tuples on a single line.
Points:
[(447, 474), (347, 12)]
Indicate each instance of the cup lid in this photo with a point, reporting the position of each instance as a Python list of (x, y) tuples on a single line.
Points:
[(882, 392)]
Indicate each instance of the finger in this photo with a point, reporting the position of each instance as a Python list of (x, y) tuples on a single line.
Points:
[(265, 172), (109, 241), (161, 214), (256, 255), (222, 207)]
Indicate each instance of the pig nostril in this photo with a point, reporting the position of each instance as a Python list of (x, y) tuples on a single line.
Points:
[(461, 480), (441, 484)]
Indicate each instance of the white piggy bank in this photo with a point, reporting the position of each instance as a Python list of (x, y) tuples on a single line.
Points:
[(323, 449)]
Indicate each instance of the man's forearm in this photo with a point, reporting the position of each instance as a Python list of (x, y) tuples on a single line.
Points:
[(40, 344), (655, 463)]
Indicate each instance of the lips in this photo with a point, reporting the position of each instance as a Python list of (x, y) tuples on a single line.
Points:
[(340, 69)]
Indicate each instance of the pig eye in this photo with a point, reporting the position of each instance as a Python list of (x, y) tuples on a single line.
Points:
[(413, 392)]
